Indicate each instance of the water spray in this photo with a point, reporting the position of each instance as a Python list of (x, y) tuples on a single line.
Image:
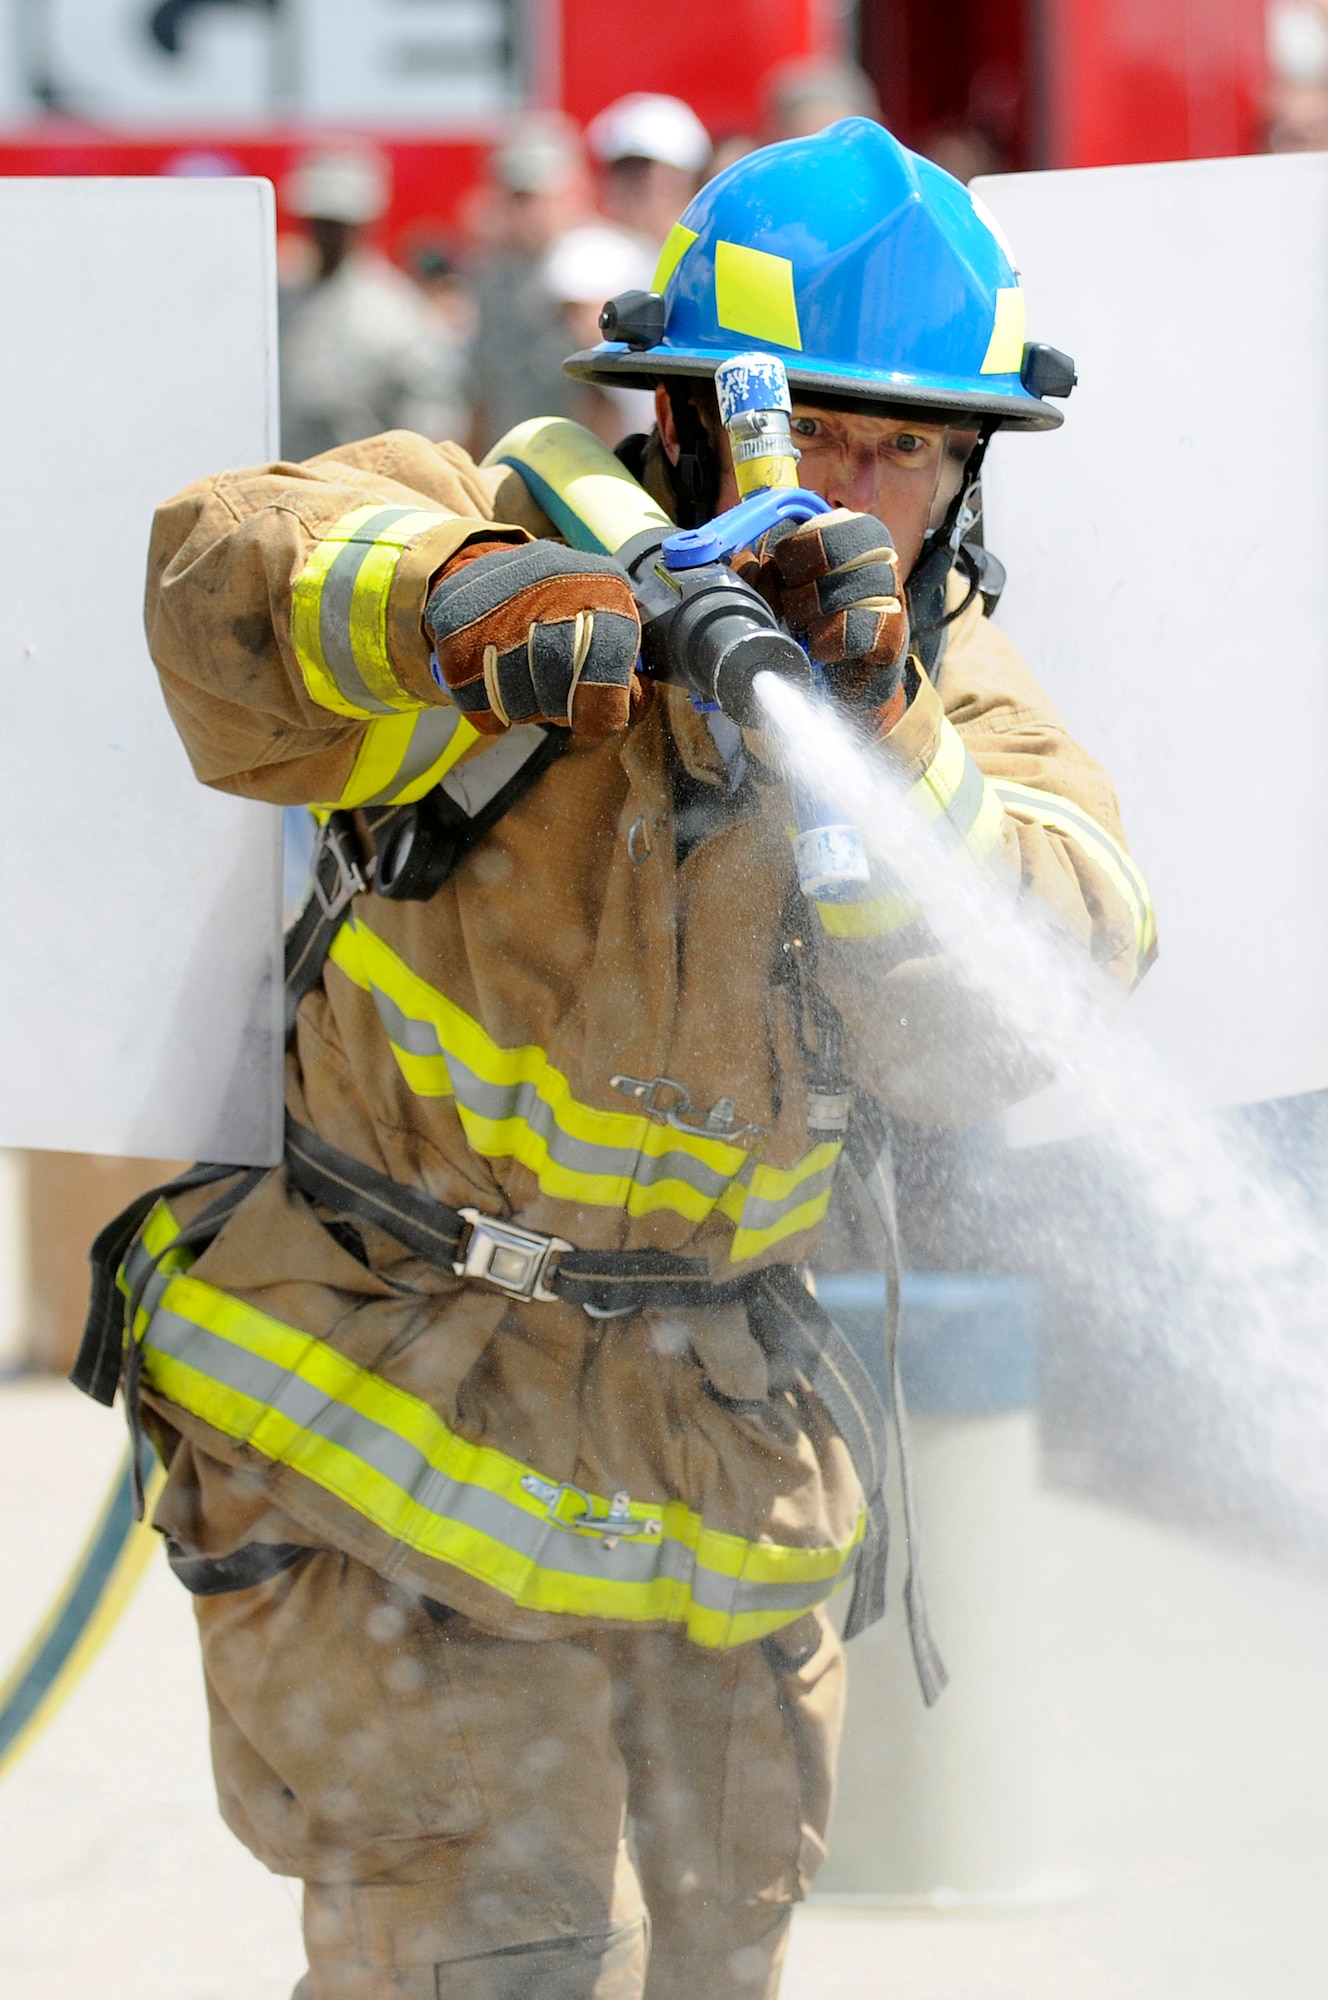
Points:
[(1254, 1263)]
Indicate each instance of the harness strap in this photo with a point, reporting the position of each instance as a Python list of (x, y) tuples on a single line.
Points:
[(96, 1370), (341, 869), (336, 875), (787, 1319), (205, 1226), (608, 1281), (215, 1576), (868, 1148), (784, 1316)]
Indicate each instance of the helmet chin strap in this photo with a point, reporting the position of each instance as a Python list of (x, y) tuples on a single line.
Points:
[(694, 480), (941, 548)]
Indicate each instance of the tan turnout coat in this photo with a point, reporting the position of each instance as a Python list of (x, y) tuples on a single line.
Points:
[(562, 936)]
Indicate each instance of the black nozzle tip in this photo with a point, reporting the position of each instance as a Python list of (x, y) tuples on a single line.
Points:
[(741, 662)]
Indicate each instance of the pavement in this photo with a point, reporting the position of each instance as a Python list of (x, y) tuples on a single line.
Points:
[(1185, 1761)]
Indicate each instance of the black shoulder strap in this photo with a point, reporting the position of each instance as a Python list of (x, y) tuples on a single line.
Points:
[(96, 1371), (342, 870), (869, 1149)]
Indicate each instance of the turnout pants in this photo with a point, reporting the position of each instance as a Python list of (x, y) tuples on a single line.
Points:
[(607, 1816)]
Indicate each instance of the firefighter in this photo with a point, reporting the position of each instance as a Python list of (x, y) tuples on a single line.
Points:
[(510, 1461)]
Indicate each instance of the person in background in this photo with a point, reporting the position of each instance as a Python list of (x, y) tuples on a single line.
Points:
[(1297, 97), (805, 96), (582, 269), (963, 149), (360, 348), (801, 98), (444, 283), (653, 153), (539, 186)]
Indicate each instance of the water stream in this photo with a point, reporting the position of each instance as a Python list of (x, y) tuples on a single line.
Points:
[(1244, 1250)]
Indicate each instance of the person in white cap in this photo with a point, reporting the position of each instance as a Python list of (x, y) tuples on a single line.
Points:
[(653, 152), (582, 269), (360, 350)]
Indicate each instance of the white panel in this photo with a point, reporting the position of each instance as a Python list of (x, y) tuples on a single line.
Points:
[(1168, 580), (139, 985)]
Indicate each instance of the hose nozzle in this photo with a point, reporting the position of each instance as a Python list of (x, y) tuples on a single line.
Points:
[(717, 637)]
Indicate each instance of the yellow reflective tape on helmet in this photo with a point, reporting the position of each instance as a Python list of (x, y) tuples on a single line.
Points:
[(1064, 817), (754, 295), (676, 245), (339, 610), (389, 1457), (514, 1103), (401, 757), (1005, 349)]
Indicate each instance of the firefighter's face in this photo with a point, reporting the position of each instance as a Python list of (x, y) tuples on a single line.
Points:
[(886, 466)]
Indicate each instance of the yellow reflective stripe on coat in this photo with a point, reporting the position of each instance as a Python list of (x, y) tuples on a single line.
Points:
[(153, 1251), (771, 1204), (1065, 817), (339, 610), (514, 1103), (950, 794), (389, 1456), (875, 916), (401, 757)]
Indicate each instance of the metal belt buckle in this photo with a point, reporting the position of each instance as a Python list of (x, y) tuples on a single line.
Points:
[(609, 1527), (516, 1261), (349, 879)]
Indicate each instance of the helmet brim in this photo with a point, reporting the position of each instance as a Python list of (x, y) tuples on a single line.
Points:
[(614, 365)]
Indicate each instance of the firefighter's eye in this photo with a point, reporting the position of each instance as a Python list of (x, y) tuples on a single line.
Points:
[(908, 442), (805, 427)]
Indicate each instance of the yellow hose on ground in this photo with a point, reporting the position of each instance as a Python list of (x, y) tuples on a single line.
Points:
[(82, 1616)]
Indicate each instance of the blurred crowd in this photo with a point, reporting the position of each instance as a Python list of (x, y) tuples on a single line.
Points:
[(471, 337), (466, 337), (1297, 76)]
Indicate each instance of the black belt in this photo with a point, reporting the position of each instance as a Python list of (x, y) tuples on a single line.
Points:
[(522, 1263), (783, 1315)]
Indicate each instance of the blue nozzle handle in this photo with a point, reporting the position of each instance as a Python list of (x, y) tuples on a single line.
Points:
[(741, 526)]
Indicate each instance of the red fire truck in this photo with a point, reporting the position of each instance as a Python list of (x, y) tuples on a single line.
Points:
[(127, 86)]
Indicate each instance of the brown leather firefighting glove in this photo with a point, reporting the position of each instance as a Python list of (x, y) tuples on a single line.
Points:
[(835, 582), (535, 633)]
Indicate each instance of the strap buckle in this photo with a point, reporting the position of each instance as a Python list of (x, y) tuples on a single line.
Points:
[(610, 1527), (829, 1110), (348, 881), (517, 1261)]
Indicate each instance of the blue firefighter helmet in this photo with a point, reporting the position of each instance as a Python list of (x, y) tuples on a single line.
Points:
[(871, 272)]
